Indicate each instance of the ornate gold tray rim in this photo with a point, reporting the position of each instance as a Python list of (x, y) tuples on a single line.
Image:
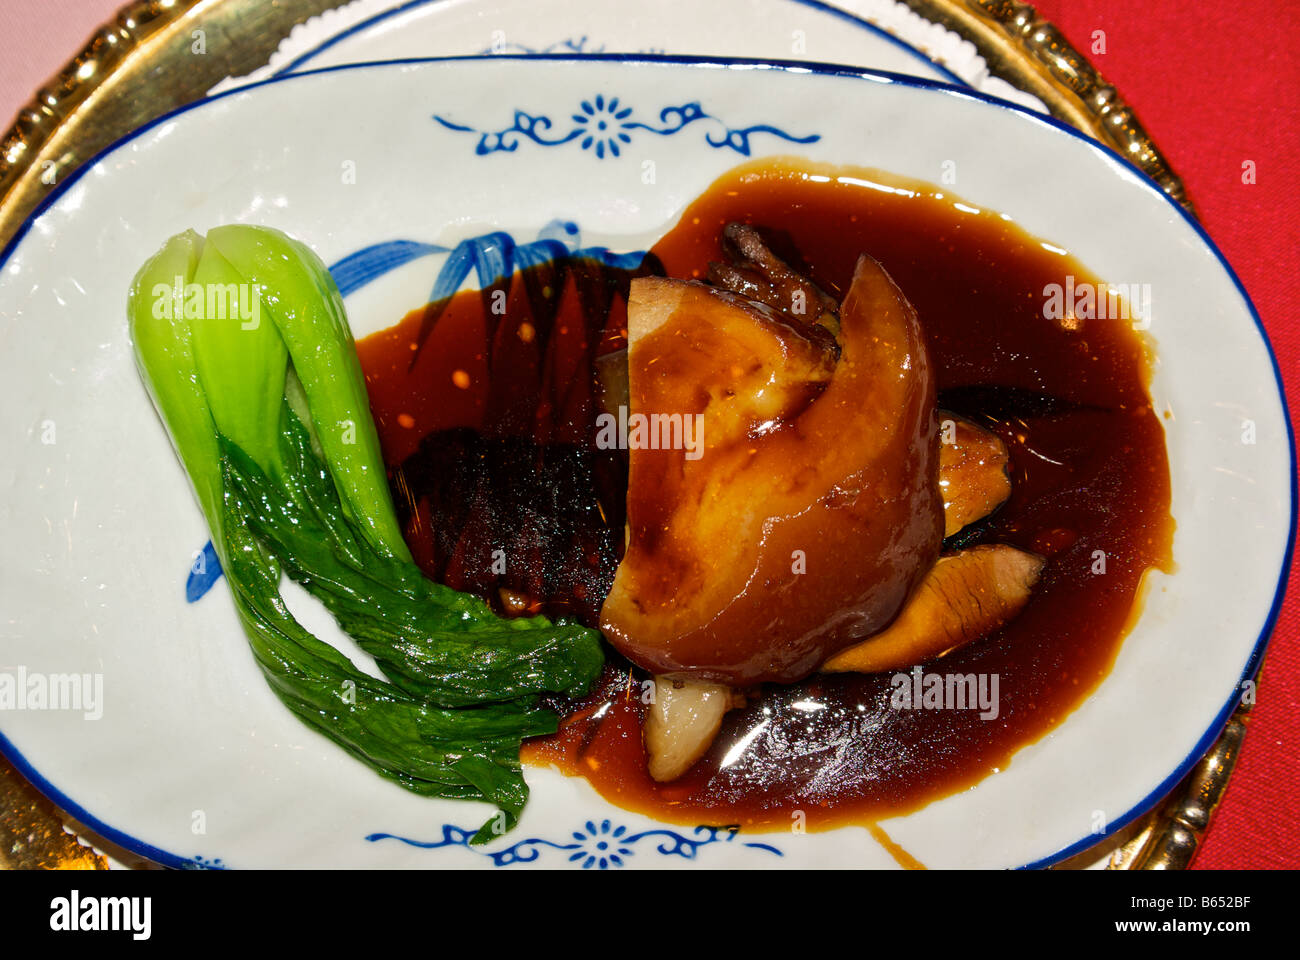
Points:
[(133, 69)]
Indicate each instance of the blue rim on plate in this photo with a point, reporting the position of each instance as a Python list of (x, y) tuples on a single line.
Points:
[(309, 55), (825, 69)]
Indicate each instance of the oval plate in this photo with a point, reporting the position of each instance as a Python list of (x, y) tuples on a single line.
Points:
[(180, 752)]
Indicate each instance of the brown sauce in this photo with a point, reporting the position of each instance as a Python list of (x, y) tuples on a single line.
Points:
[(485, 416), (1089, 471)]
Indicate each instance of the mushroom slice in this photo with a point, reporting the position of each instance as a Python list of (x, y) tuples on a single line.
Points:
[(965, 596), (972, 472), (681, 724), (757, 273)]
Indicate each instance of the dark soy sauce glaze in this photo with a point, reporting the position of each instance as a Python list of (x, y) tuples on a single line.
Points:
[(486, 418), (1089, 473)]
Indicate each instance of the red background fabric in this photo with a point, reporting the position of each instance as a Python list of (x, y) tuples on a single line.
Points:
[(1215, 85)]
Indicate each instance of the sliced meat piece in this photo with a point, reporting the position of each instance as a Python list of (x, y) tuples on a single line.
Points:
[(965, 596), (812, 508), (972, 472)]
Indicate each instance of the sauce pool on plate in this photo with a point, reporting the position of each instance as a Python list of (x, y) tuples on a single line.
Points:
[(488, 421)]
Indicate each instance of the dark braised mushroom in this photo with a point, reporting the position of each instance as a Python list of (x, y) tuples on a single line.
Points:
[(755, 272)]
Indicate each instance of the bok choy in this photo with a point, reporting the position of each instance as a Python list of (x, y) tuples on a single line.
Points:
[(242, 341)]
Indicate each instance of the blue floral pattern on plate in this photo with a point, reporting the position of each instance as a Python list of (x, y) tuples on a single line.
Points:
[(601, 845), (605, 126), (568, 45)]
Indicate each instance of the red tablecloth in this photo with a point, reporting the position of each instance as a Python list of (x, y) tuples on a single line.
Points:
[(1216, 85)]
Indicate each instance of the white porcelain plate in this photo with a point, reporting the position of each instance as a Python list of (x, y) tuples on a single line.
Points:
[(880, 34), (187, 757)]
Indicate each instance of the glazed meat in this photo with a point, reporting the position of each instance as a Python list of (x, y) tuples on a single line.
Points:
[(810, 508)]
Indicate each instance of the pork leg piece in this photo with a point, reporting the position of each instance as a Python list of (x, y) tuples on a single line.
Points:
[(812, 508)]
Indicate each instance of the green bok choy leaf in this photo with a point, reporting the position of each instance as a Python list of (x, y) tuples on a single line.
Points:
[(242, 341)]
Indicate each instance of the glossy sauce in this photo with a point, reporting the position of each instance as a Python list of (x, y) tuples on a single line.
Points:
[(485, 417), (805, 522), (1089, 474)]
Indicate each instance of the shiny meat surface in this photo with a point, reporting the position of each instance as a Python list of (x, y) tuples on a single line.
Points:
[(812, 507)]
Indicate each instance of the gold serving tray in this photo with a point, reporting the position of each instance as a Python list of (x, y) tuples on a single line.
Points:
[(143, 64)]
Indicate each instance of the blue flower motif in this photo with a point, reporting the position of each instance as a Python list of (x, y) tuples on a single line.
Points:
[(600, 846), (603, 125)]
